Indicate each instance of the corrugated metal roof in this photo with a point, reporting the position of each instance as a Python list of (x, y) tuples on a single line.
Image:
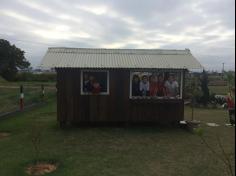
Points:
[(119, 58)]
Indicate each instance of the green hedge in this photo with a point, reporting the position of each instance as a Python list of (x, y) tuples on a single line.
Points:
[(2, 80), (43, 77)]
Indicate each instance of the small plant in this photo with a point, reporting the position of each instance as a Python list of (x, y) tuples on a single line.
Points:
[(35, 138), (222, 156), (39, 166), (230, 78), (195, 92)]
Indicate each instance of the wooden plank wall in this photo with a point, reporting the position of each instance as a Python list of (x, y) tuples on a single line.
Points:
[(115, 107)]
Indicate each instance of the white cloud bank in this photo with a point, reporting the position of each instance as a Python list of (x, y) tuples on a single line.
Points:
[(206, 27)]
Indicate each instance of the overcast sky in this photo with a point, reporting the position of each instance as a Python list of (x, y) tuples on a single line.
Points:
[(206, 27)]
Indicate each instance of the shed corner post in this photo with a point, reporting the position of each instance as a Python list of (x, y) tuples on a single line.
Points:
[(183, 75), (130, 84), (181, 83), (59, 94)]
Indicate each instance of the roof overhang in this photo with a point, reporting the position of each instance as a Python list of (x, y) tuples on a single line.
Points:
[(119, 58)]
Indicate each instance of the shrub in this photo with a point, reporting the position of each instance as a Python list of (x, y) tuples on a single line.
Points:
[(43, 77)]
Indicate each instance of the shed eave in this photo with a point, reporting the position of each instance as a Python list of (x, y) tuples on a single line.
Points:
[(119, 59)]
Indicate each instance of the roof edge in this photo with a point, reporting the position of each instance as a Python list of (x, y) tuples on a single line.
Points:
[(117, 50)]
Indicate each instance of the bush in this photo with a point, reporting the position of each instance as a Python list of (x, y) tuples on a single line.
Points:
[(43, 77), (2, 80), (204, 99)]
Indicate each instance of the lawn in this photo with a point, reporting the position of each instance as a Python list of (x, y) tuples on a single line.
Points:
[(219, 90), (121, 151), (10, 94)]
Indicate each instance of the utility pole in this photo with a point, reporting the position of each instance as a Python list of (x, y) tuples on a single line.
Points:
[(223, 70)]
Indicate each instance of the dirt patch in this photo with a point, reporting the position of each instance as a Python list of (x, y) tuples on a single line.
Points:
[(4, 134), (40, 168)]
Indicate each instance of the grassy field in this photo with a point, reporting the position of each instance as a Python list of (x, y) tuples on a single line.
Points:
[(10, 93), (133, 151), (219, 90)]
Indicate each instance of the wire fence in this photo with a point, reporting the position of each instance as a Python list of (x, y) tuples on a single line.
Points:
[(12, 99)]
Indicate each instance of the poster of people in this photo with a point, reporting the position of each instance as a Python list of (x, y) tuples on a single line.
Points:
[(94, 82), (161, 84)]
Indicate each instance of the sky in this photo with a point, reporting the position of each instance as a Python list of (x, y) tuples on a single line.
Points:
[(206, 27)]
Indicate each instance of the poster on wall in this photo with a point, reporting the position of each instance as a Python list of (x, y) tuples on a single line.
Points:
[(94, 82), (155, 84)]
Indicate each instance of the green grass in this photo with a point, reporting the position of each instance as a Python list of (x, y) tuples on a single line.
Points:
[(131, 151), (10, 94), (26, 83), (219, 90), (2, 80)]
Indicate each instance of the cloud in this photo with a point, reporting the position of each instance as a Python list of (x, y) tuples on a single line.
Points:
[(19, 17), (97, 10), (206, 27)]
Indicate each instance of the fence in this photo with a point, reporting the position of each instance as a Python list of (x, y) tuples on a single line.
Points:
[(17, 97)]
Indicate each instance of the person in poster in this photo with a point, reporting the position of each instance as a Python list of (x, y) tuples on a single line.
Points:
[(86, 83), (135, 85), (161, 89), (172, 86), (153, 85), (144, 86), (96, 88), (93, 86)]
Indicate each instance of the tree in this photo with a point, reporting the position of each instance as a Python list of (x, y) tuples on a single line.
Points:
[(230, 78), (222, 155), (11, 59), (195, 92), (205, 90)]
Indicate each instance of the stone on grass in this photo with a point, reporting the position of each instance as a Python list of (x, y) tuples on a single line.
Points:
[(40, 169), (212, 124), (4, 134)]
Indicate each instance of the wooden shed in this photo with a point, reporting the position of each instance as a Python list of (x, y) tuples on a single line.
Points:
[(120, 85)]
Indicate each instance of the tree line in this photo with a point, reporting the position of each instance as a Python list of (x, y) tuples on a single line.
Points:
[(11, 60)]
